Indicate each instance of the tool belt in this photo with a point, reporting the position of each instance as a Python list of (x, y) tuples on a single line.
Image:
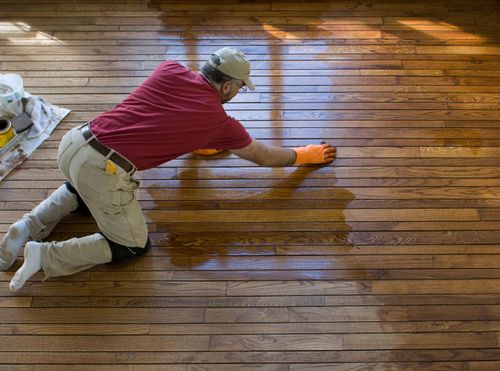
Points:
[(103, 150)]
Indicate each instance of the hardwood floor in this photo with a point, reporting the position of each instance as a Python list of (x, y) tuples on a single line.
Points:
[(388, 259)]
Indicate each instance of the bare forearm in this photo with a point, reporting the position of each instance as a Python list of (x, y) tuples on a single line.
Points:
[(265, 155)]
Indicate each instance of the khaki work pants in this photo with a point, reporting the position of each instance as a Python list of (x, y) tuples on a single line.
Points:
[(109, 197)]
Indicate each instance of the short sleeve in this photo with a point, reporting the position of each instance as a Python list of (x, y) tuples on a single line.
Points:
[(233, 135)]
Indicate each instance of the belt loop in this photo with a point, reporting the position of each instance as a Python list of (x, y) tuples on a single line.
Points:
[(111, 151)]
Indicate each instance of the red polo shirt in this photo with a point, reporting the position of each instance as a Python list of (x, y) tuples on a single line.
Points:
[(173, 112)]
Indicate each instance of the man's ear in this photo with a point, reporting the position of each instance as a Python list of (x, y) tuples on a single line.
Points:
[(226, 87)]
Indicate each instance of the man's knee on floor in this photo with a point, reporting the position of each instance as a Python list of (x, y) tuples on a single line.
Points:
[(121, 253)]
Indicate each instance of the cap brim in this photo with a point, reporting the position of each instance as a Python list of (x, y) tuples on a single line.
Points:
[(250, 84)]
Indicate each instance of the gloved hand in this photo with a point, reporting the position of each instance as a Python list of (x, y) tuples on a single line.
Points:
[(315, 154), (207, 152)]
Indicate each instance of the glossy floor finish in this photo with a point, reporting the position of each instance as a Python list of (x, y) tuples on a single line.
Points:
[(388, 259)]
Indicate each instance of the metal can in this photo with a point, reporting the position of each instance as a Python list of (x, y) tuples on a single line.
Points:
[(6, 132)]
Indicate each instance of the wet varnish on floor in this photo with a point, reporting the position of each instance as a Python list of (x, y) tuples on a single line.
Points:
[(388, 259)]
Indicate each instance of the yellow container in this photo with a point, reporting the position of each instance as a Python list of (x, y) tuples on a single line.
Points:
[(6, 132)]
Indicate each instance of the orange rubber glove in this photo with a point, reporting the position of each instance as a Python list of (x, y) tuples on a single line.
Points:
[(315, 154), (207, 152)]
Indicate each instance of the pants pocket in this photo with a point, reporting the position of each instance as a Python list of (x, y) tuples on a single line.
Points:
[(125, 193)]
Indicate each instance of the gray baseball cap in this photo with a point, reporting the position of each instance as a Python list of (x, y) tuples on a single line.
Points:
[(234, 63)]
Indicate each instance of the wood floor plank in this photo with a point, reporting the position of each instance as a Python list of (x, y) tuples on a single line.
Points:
[(106, 343), (486, 366), (96, 316), (263, 301)]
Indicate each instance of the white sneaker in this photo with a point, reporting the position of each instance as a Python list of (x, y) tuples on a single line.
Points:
[(32, 264), (12, 243)]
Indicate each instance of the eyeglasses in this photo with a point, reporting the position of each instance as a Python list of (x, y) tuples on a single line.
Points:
[(241, 88)]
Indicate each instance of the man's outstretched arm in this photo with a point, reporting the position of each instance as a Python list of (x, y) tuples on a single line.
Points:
[(265, 155)]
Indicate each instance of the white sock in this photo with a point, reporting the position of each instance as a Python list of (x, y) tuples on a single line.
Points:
[(12, 243), (32, 264)]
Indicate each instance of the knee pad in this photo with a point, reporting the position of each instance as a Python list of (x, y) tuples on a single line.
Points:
[(121, 253), (82, 207)]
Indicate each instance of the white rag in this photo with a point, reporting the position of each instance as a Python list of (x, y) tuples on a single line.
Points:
[(40, 113)]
